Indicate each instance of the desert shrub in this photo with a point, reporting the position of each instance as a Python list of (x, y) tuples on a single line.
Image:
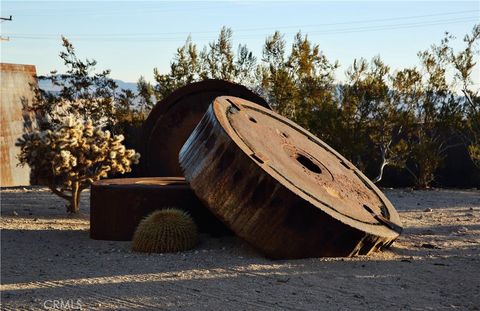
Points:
[(474, 152), (72, 155)]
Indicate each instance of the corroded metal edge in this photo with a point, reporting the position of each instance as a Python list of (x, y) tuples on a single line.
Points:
[(261, 210)]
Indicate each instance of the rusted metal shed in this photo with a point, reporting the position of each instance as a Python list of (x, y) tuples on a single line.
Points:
[(15, 90)]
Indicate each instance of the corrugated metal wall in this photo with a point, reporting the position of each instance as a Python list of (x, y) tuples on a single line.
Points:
[(15, 87)]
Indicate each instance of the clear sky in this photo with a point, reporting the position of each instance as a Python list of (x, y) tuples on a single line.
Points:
[(131, 37)]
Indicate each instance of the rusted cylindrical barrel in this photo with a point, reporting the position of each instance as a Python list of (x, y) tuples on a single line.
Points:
[(173, 119), (282, 189), (118, 205)]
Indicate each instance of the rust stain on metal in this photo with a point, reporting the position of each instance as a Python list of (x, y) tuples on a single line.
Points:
[(118, 205), (282, 189), (172, 120), (15, 90)]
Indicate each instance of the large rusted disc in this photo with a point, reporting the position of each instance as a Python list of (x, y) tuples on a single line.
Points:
[(282, 189), (118, 205), (174, 118)]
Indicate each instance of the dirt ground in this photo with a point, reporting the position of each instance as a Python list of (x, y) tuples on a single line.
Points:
[(48, 261)]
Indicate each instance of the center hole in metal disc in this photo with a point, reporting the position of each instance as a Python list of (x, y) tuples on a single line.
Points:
[(309, 164)]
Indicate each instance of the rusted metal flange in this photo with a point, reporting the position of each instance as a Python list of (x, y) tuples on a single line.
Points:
[(118, 205), (282, 189), (173, 119)]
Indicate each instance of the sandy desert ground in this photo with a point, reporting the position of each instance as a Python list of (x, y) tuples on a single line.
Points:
[(48, 260)]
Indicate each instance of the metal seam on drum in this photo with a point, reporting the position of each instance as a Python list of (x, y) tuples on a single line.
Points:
[(277, 216)]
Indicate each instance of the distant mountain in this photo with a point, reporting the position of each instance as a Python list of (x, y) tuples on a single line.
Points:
[(47, 85), (132, 86)]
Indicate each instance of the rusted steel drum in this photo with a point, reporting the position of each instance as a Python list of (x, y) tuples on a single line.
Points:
[(282, 189), (173, 119), (118, 205)]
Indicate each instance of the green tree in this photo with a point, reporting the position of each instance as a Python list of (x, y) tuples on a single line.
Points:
[(184, 69), (218, 60), (82, 93), (300, 86), (277, 78), (125, 114), (215, 61), (145, 96), (437, 115), (372, 122), (463, 64)]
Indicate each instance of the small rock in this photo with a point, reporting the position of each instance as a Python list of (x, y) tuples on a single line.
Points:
[(283, 279), (463, 229), (15, 213), (431, 246), (428, 210)]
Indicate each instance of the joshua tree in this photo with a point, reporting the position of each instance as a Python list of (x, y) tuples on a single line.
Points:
[(72, 155)]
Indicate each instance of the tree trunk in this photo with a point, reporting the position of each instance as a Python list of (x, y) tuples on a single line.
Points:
[(380, 174), (74, 206)]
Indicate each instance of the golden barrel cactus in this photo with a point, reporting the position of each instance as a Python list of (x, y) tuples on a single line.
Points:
[(165, 231)]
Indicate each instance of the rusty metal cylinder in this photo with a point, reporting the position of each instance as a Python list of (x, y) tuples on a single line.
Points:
[(118, 205), (282, 189), (173, 119)]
